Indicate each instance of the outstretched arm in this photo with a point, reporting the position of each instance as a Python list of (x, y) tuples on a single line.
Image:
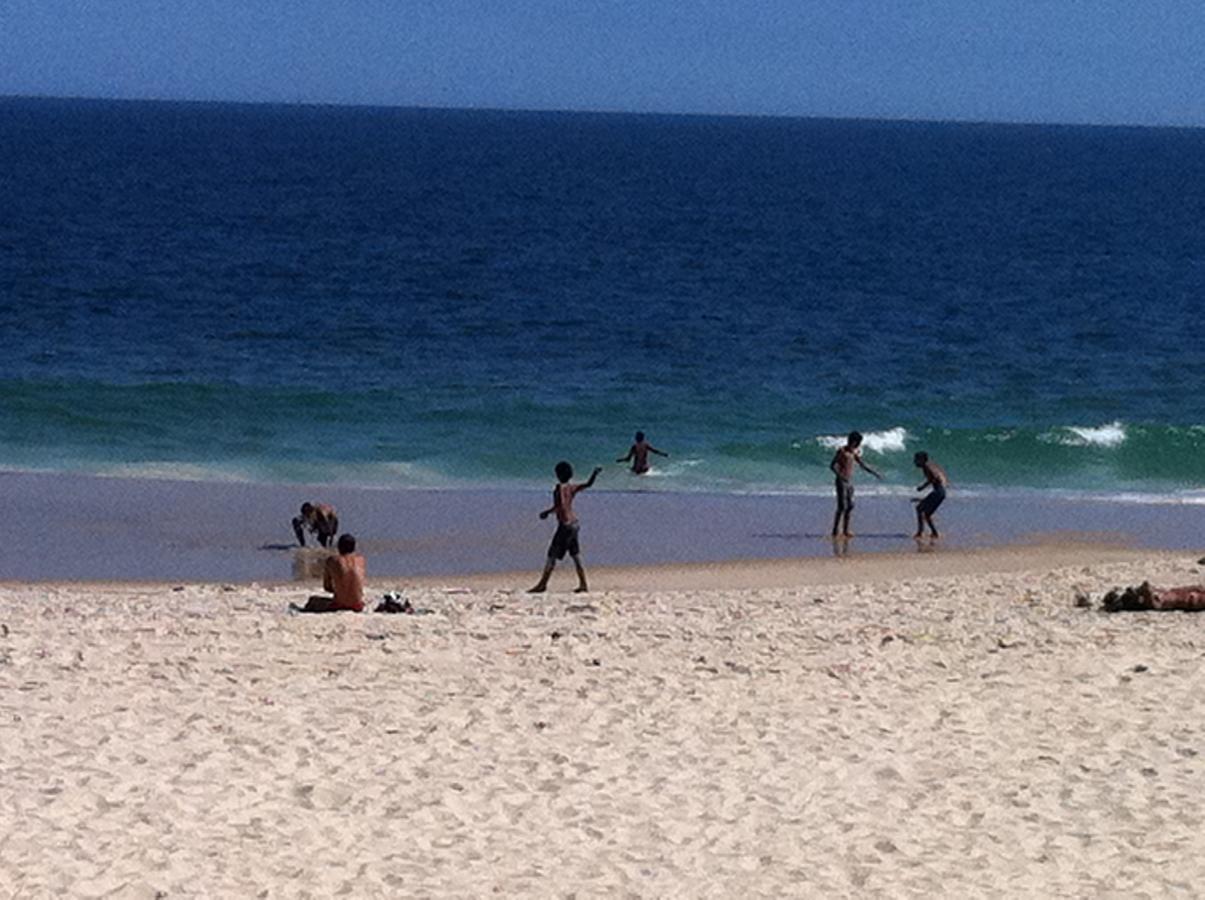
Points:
[(653, 449), (589, 482), (869, 468), (631, 453)]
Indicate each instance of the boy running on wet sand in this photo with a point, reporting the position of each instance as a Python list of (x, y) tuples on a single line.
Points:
[(565, 539), (935, 477), (639, 452), (843, 467)]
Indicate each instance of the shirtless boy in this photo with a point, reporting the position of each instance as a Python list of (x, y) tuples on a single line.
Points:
[(565, 539), (318, 518), (343, 576), (935, 477), (843, 468), (639, 452)]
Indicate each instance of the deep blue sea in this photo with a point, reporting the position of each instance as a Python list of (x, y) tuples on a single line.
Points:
[(429, 298)]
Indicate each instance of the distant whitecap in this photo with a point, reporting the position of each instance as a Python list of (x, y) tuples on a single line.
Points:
[(1110, 435)]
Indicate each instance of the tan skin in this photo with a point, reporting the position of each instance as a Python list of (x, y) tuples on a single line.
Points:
[(319, 518), (638, 453), (935, 476), (562, 505), (343, 575), (843, 467)]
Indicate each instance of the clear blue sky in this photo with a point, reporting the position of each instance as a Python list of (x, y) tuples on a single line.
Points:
[(1107, 61)]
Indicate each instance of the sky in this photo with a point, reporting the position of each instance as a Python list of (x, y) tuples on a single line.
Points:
[(1076, 61)]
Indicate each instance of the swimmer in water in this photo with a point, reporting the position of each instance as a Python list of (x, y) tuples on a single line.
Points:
[(639, 452)]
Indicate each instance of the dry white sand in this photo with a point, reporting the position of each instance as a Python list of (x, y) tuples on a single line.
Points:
[(947, 733)]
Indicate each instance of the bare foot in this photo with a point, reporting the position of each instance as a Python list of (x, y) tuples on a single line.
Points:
[(581, 589), (918, 536), (538, 589), (848, 535)]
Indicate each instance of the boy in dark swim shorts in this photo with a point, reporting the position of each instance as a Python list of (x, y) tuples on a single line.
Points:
[(842, 466), (565, 540), (935, 477)]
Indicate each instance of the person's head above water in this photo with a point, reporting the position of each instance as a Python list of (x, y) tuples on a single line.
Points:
[(855, 439), (307, 508), (920, 458), (347, 544), (564, 471), (639, 436)]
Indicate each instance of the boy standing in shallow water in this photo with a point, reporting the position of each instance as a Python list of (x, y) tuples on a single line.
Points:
[(565, 539), (843, 468), (638, 453), (935, 477)]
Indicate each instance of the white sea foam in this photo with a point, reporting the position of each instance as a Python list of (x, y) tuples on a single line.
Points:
[(171, 470), (1111, 435), (671, 469), (890, 441)]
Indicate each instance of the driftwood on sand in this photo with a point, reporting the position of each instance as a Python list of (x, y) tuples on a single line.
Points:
[(1144, 597)]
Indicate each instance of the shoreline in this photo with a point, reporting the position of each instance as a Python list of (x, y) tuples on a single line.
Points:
[(82, 528), (727, 575)]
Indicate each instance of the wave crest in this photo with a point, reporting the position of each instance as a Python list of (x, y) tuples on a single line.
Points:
[(892, 440), (1111, 435)]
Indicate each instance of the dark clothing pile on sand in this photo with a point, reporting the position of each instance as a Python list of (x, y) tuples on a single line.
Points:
[(1144, 597)]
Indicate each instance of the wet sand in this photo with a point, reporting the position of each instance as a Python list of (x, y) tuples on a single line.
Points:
[(939, 725), (124, 529)]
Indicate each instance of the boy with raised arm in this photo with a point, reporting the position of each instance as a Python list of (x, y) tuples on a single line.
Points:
[(935, 477), (565, 540), (639, 452), (842, 467)]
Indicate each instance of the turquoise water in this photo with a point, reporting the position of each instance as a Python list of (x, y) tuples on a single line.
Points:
[(449, 299)]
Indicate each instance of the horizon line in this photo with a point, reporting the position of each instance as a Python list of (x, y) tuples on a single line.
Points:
[(597, 111)]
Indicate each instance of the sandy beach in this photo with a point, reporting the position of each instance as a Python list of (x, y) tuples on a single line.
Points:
[(949, 725)]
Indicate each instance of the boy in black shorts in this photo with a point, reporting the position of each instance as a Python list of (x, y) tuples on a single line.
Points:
[(926, 506), (565, 539)]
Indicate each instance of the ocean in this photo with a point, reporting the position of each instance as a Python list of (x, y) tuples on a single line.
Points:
[(403, 298)]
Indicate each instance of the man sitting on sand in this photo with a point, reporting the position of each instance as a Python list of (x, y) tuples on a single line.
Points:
[(639, 452), (318, 518), (843, 467), (935, 477), (565, 539), (343, 576)]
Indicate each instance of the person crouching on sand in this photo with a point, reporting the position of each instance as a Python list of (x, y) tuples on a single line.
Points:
[(318, 518), (843, 467), (926, 506), (565, 540), (343, 576), (639, 452)]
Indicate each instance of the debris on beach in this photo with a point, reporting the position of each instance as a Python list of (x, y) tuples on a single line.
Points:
[(394, 602)]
